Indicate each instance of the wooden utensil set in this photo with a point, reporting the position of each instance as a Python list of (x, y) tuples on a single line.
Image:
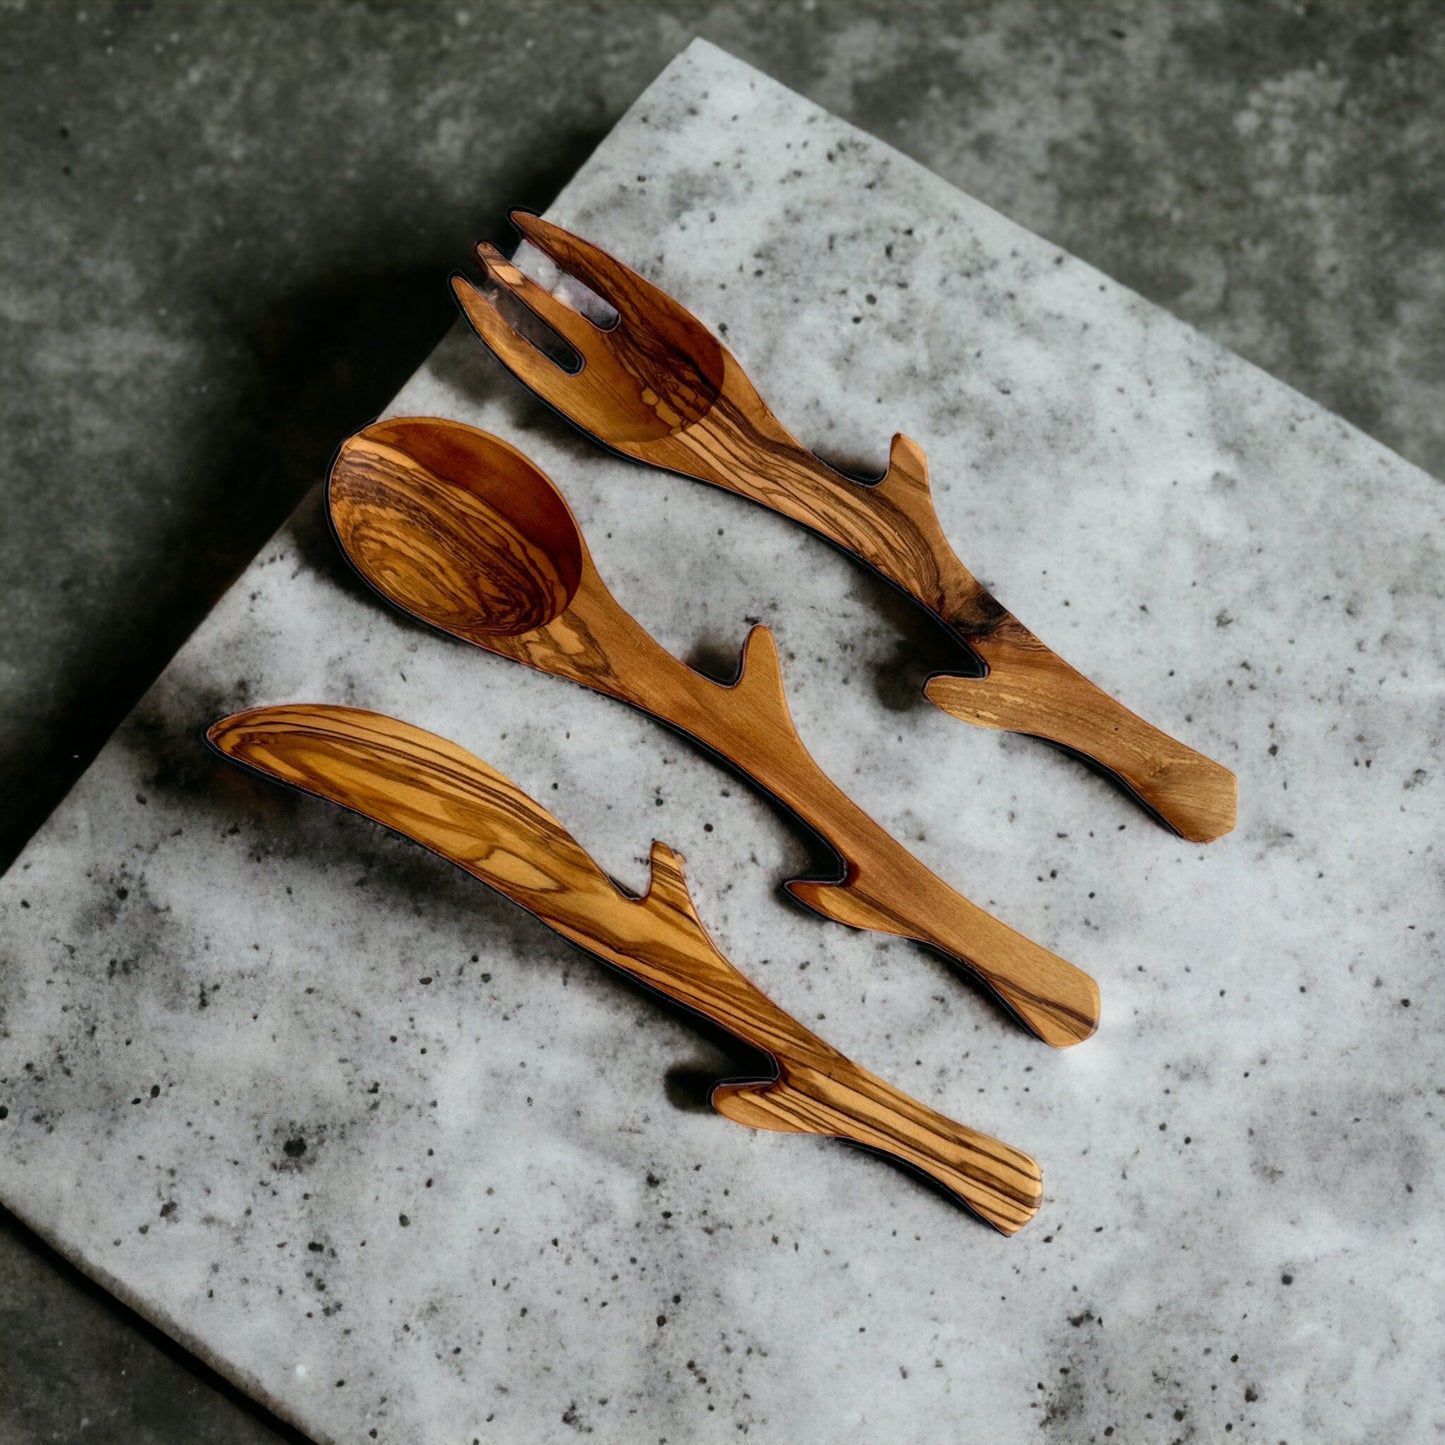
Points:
[(459, 529)]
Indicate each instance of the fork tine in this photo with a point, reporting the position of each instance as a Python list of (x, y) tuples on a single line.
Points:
[(565, 320), (633, 297), (593, 267), (526, 362), (655, 369)]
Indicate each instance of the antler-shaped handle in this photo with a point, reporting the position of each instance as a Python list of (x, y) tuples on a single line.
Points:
[(432, 791)]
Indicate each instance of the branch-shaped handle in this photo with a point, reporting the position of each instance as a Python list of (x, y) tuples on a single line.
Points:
[(849, 1103), (817, 1090), (1046, 993), (432, 791), (1030, 689), (883, 886), (893, 526)]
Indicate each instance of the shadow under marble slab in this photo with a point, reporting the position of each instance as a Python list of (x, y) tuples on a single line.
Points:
[(394, 1158)]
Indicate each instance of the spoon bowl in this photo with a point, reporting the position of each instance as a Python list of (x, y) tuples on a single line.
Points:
[(456, 527)]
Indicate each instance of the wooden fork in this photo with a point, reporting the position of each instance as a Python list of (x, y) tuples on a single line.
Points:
[(659, 387)]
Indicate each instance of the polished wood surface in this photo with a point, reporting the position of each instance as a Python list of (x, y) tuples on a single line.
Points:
[(464, 532), (659, 387), (432, 791)]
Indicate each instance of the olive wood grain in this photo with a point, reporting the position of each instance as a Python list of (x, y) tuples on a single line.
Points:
[(433, 792), (463, 531), (659, 387)]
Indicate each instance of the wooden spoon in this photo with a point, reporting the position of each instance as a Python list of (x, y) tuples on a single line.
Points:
[(461, 530), (658, 386), (431, 791)]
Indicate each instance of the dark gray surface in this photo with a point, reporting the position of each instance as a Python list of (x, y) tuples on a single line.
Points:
[(228, 230)]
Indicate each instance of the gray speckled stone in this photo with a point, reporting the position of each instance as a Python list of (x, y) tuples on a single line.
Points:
[(396, 1159)]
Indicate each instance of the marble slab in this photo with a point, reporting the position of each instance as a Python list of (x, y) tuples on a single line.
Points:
[(402, 1164)]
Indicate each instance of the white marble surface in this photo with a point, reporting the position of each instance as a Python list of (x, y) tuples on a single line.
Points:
[(511, 1218)]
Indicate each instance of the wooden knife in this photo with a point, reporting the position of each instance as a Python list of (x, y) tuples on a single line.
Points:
[(433, 792)]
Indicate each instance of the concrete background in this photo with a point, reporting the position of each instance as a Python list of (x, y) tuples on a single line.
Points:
[(228, 227)]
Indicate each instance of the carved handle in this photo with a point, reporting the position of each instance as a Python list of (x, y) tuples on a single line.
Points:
[(1030, 689), (849, 1103), (1046, 993), (883, 886), (433, 792), (894, 527)]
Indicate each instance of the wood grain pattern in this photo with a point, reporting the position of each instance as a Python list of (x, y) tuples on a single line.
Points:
[(442, 518), (432, 791), (659, 387)]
